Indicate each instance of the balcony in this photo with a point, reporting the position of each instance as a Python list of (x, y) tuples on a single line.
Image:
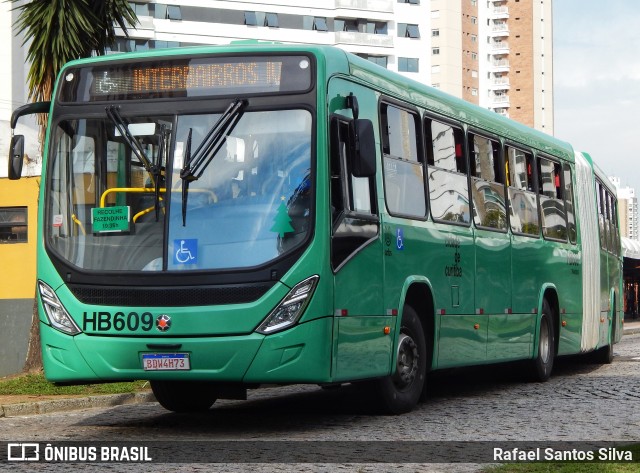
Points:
[(364, 39), (499, 29), (499, 13), (500, 66), (501, 83), (500, 101), (385, 6), (499, 47)]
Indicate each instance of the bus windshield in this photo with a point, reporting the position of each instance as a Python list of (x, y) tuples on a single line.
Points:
[(115, 194)]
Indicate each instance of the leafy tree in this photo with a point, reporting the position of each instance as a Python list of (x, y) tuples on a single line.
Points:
[(58, 31)]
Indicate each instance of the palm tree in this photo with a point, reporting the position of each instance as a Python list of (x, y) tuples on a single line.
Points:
[(61, 30), (58, 31)]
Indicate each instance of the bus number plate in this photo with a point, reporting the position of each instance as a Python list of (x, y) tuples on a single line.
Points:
[(165, 361)]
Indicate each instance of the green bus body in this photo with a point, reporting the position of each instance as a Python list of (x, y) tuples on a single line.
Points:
[(478, 287)]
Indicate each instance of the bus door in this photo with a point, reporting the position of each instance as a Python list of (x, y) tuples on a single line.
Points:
[(527, 257), (362, 349), (462, 336), (493, 248)]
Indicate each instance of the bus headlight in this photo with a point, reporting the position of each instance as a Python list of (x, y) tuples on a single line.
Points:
[(58, 316), (289, 310)]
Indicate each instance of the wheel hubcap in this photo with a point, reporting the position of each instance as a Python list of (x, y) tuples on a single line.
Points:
[(544, 340), (407, 361)]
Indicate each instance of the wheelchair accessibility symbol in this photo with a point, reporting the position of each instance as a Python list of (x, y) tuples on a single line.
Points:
[(186, 251), (399, 239)]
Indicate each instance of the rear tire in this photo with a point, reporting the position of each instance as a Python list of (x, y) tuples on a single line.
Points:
[(400, 392), (604, 355), (184, 396), (542, 365)]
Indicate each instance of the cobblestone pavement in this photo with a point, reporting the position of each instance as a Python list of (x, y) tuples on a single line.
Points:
[(581, 402)]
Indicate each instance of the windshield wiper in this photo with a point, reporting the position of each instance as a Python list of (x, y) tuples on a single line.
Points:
[(154, 169), (113, 113), (195, 165)]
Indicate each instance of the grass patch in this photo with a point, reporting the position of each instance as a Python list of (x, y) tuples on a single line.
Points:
[(574, 467), (36, 385)]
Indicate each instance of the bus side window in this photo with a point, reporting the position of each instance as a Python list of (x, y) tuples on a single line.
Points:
[(403, 168), (611, 223), (554, 221), (448, 184), (487, 192), (614, 222), (523, 206), (601, 215), (569, 205)]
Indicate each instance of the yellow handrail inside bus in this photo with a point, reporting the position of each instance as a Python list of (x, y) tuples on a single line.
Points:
[(79, 223), (130, 190), (143, 190)]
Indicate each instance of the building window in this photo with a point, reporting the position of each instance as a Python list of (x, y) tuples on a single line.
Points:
[(474, 20), (13, 224), (173, 12), (379, 60), (377, 27), (408, 64), (435, 51), (474, 38), (141, 9), (320, 24), (474, 56), (408, 30), (271, 20), (250, 18), (474, 92), (435, 33), (435, 69), (157, 44), (412, 2)]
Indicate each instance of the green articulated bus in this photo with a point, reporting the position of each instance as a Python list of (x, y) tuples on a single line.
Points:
[(218, 218)]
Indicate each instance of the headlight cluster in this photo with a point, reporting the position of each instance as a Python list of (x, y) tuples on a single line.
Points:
[(289, 310), (58, 316)]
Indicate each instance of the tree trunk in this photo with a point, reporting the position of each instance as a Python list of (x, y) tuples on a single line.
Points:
[(34, 353)]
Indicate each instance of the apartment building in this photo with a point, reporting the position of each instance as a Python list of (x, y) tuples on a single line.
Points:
[(627, 210)]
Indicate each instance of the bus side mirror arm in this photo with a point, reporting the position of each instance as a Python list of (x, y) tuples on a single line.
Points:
[(16, 148), (363, 148)]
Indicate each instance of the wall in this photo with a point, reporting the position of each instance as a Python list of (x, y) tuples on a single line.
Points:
[(17, 277)]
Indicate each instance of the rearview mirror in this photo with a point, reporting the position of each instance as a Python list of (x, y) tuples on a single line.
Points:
[(16, 157), (363, 152)]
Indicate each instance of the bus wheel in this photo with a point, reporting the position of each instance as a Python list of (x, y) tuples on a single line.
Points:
[(184, 396), (400, 392), (604, 355), (543, 364)]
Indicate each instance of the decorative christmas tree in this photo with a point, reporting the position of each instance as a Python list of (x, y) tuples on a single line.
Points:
[(282, 222)]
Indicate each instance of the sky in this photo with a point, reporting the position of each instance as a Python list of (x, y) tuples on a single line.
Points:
[(596, 48)]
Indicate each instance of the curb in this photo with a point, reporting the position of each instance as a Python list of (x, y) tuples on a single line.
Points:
[(61, 405)]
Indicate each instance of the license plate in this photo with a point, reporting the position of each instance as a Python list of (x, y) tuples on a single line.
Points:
[(165, 361)]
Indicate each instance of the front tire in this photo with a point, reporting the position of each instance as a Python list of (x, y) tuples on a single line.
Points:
[(543, 364), (184, 396), (400, 392)]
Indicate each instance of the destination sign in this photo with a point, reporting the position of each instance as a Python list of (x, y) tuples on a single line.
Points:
[(194, 77)]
